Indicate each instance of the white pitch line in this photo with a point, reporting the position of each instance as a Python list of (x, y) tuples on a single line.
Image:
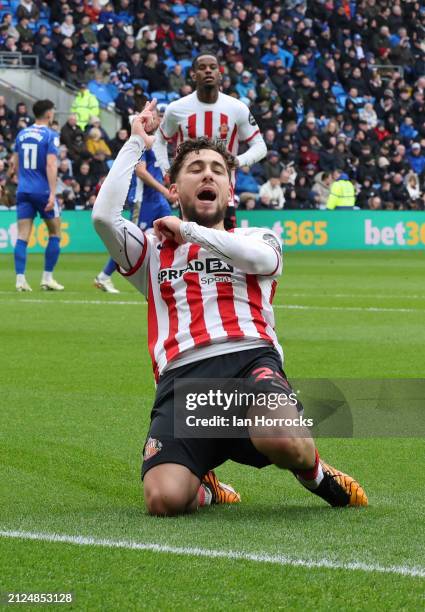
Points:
[(278, 306), (378, 296), (261, 557)]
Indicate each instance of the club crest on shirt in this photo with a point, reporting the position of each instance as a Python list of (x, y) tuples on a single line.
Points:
[(152, 448), (224, 130)]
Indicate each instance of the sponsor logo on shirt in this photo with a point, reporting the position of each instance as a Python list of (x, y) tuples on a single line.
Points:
[(207, 266)]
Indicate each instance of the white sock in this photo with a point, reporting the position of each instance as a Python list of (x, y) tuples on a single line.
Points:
[(20, 278), (47, 277), (103, 277)]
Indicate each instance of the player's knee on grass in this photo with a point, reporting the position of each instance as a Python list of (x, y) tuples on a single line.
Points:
[(170, 489)]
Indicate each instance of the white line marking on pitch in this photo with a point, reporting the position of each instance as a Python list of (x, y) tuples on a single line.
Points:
[(416, 572), (140, 303), (378, 296)]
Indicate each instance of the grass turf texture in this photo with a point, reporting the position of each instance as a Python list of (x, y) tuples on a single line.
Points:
[(76, 391)]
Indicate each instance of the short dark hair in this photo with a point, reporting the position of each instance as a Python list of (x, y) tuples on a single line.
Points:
[(41, 107), (205, 54), (197, 145)]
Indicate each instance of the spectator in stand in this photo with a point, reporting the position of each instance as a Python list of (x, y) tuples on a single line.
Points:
[(416, 159), (181, 47), (246, 183), (375, 203), (118, 142), (28, 9), (22, 118), (271, 194), (96, 145), (399, 193), (272, 167), (125, 104), (413, 188), (85, 106), (176, 78), (342, 195), (322, 187)]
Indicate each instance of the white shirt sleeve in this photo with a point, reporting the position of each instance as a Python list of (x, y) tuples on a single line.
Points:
[(125, 241), (249, 133), (257, 252), (167, 130)]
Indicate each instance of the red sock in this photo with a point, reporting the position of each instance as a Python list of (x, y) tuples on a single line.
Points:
[(312, 477)]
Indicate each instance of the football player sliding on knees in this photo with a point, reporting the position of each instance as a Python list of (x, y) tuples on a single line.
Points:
[(204, 325)]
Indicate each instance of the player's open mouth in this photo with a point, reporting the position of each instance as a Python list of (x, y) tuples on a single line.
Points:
[(207, 195)]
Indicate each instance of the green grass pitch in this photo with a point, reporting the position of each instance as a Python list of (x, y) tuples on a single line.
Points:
[(75, 394)]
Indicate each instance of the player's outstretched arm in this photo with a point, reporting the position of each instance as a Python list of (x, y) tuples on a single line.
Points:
[(123, 239)]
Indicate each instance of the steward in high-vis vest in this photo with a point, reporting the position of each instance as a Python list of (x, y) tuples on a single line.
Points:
[(342, 195)]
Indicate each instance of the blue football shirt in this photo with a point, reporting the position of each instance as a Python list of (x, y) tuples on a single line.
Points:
[(33, 145)]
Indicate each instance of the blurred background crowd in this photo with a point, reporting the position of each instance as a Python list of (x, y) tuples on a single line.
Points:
[(337, 88)]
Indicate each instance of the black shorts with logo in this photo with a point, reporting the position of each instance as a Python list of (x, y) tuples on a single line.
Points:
[(203, 454)]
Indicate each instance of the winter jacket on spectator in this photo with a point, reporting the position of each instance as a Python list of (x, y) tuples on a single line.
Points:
[(271, 194), (342, 194), (407, 129), (277, 53), (399, 193), (85, 106), (73, 137), (416, 159), (245, 181), (322, 186), (125, 101), (27, 9)]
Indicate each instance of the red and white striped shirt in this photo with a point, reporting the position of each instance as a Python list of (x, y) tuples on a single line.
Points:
[(228, 120), (209, 296), (197, 300)]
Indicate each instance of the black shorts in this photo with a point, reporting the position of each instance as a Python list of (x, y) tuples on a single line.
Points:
[(263, 365)]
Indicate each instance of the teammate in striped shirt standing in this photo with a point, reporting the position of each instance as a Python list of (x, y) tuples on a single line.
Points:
[(209, 298), (208, 112)]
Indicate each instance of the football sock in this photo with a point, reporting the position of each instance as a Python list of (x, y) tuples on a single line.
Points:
[(51, 254), (20, 278), (20, 254), (204, 496), (47, 277), (311, 478), (108, 270)]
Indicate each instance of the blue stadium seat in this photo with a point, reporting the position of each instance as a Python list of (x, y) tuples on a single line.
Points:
[(102, 92), (161, 96), (173, 95), (170, 63), (180, 11), (185, 64), (191, 10)]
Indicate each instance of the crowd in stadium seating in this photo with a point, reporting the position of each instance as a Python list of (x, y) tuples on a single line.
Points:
[(334, 85)]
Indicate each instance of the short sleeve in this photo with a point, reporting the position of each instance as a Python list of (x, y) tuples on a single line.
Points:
[(53, 146), (247, 125), (168, 125)]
